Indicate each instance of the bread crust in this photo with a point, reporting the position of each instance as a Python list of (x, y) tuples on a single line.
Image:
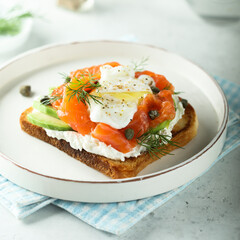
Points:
[(183, 132)]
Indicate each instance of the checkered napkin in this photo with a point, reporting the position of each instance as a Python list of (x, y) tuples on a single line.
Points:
[(115, 218)]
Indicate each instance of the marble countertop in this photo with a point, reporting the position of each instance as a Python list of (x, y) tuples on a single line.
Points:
[(210, 207)]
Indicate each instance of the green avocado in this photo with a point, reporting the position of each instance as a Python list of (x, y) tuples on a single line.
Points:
[(47, 109), (161, 126), (46, 121)]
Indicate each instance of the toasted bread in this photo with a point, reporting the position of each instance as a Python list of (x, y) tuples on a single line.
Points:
[(183, 132)]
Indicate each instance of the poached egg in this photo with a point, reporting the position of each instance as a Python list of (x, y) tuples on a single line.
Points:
[(120, 93)]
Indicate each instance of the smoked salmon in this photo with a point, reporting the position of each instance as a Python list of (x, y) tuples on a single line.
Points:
[(76, 113)]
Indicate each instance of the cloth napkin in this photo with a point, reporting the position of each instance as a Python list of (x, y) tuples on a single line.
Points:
[(116, 218)]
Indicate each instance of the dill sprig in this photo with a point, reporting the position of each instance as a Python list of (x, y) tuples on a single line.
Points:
[(77, 89), (65, 77), (46, 100), (156, 143), (140, 65), (177, 93), (11, 23), (167, 87)]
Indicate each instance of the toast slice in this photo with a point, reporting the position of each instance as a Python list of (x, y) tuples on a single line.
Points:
[(183, 132)]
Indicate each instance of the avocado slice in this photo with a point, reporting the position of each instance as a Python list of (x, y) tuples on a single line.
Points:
[(46, 121), (47, 109), (161, 126)]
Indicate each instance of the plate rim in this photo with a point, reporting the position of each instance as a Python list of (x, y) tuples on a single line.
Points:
[(137, 178)]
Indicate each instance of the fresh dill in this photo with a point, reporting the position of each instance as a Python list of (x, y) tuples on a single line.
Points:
[(140, 65), (81, 89), (177, 93), (65, 77), (156, 143), (167, 87), (11, 23)]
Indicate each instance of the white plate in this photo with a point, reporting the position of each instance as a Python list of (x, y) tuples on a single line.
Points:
[(37, 166)]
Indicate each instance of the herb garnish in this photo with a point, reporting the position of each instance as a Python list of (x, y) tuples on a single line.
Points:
[(139, 66), (156, 143), (82, 88), (177, 93), (167, 87), (12, 25), (65, 77)]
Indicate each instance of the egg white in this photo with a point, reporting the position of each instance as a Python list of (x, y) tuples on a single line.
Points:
[(120, 92)]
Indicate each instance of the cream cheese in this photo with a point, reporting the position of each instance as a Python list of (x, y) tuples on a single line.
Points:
[(92, 145)]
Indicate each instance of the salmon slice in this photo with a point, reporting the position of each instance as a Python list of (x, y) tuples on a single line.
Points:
[(168, 111), (140, 123), (160, 81), (112, 137), (76, 114), (72, 111), (162, 102)]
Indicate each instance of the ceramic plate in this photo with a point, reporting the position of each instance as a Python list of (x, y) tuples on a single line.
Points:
[(39, 167)]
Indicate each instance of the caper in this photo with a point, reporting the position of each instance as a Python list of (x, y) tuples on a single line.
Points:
[(184, 102), (45, 100), (153, 114), (155, 90), (25, 90), (129, 133)]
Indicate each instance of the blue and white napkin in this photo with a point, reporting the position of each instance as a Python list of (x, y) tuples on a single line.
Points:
[(116, 218)]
